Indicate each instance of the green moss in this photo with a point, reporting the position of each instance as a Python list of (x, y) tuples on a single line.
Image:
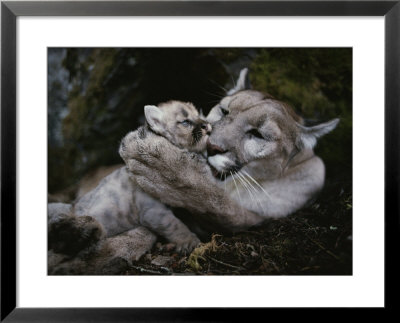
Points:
[(317, 82)]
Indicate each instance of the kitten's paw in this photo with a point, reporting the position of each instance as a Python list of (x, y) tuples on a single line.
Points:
[(187, 244), (131, 245)]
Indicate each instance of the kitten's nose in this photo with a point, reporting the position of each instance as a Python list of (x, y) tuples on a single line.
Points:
[(206, 127), (214, 149)]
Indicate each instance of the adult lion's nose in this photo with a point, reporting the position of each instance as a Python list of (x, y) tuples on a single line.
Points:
[(214, 149)]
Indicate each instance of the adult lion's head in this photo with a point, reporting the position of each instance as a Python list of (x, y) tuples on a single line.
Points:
[(254, 131)]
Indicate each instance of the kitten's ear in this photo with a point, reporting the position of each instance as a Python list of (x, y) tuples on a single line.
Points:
[(309, 135), (242, 83), (155, 118)]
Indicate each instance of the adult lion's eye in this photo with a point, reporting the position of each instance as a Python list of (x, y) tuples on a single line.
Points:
[(255, 133), (186, 123), (224, 111)]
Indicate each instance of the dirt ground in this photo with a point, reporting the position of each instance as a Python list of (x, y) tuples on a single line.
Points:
[(316, 240)]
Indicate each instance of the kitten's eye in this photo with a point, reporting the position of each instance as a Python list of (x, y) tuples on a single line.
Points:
[(255, 133), (224, 111), (186, 123)]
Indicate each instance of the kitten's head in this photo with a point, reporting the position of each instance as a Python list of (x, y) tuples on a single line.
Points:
[(180, 123)]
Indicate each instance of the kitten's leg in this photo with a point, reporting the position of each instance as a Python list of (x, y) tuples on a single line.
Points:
[(58, 211), (69, 234), (161, 220), (132, 244), (112, 256)]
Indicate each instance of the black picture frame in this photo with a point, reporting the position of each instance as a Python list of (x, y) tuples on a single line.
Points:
[(11, 10)]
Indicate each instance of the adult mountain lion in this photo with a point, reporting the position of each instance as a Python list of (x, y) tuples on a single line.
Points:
[(261, 157)]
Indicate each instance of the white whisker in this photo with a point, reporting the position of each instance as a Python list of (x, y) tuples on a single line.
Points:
[(233, 81), (237, 189), (225, 182), (220, 86), (247, 181), (248, 175), (244, 185), (249, 185)]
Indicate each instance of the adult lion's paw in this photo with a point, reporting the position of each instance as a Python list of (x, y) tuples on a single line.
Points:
[(143, 146)]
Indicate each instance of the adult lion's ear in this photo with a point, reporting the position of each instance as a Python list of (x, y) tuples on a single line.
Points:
[(201, 114), (308, 135), (155, 118), (242, 83)]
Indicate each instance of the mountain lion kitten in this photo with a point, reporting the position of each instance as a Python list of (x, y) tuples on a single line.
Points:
[(119, 205)]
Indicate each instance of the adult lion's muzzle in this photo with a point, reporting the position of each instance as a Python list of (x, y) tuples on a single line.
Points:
[(214, 149)]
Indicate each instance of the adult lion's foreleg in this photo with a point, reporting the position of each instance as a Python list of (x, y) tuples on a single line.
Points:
[(181, 179)]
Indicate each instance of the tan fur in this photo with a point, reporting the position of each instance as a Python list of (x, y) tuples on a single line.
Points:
[(279, 157), (86, 184), (178, 122), (255, 138), (110, 256), (117, 209), (91, 180)]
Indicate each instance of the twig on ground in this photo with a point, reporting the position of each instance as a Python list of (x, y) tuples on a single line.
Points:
[(167, 270), (147, 271), (323, 248), (225, 264), (268, 261)]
